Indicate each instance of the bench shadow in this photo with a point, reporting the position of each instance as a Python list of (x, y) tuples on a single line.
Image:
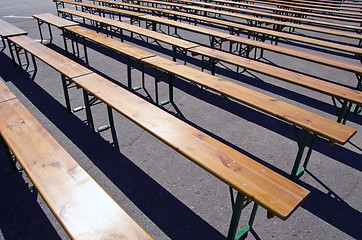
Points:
[(173, 217), (166, 211), (21, 215)]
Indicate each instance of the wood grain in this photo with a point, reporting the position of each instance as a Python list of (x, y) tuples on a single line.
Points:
[(113, 44), (85, 210), (331, 130), (331, 89), (5, 93), (54, 20), (267, 188), (55, 60), (9, 30)]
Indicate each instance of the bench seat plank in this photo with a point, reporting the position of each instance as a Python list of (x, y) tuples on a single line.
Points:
[(9, 30), (268, 189), (54, 20), (349, 94), (60, 63), (132, 28), (324, 127), (5, 93), (85, 210), (113, 44)]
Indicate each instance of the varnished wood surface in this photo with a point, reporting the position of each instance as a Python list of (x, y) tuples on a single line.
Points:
[(186, 26), (349, 94), (267, 188), (301, 9), (84, 209), (5, 93), (284, 35), (331, 130), (55, 60), (113, 44), (8, 30), (298, 54), (87, 5), (132, 28), (54, 20), (324, 30)]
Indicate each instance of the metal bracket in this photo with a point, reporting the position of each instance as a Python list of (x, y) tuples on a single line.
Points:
[(158, 75), (238, 205), (92, 102), (302, 144)]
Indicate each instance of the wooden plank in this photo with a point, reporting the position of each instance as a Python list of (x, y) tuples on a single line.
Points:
[(54, 20), (267, 188), (85, 210), (9, 30), (132, 28), (5, 93), (54, 59), (331, 130), (113, 44), (349, 94)]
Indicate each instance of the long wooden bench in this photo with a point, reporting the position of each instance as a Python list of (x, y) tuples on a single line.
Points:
[(314, 5), (286, 9), (252, 20), (82, 207), (252, 181), (286, 112), (333, 90), (237, 27)]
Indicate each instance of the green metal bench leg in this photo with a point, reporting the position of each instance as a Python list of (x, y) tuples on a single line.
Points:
[(88, 110), (129, 76), (66, 94), (11, 51), (302, 143), (8, 153), (344, 111), (240, 203)]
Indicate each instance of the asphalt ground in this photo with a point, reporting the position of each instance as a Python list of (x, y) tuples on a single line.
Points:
[(168, 195)]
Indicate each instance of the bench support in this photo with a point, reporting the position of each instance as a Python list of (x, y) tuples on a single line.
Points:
[(215, 42), (18, 51), (302, 144), (89, 102), (344, 111), (8, 153), (158, 75), (130, 66), (40, 23), (177, 50), (238, 205), (3, 44), (67, 85)]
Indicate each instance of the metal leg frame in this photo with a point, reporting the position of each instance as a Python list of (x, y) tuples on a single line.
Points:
[(215, 42), (344, 111), (158, 75), (130, 66), (92, 102), (40, 23), (179, 51), (302, 144), (18, 52), (11, 158), (359, 88), (3, 44), (67, 84), (238, 205), (210, 62)]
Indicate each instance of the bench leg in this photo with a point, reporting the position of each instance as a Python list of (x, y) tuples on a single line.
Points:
[(8, 153), (3, 44), (237, 206), (302, 144), (88, 110), (158, 76), (11, 45), (344, 111)]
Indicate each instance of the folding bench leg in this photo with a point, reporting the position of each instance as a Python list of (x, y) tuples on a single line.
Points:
[(238, 205), (3, 44), (158, 76), (176, 50), (91, 102), (67, 85), (344, 111), (302, 144), (40, 23), (130, 66)]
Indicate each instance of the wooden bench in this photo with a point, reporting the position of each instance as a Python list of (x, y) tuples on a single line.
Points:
[(237, 27), (51, 20), (252, 20), (252, 181), (82, 207), (296, 116), (9, 30), (332, 90)]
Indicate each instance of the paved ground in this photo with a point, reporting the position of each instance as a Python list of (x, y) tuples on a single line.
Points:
[(170, 197)]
